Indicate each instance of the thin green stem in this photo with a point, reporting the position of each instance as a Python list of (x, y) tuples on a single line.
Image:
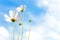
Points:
[(22, 28), (18, 32), (29, 30), (13, 32), (22, 23), (29, 34), (22, 33)]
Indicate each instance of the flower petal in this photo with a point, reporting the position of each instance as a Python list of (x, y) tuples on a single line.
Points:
[(16, 14), (6, 16), (18, 18), (11, 13), (18, 9), (8, 20), (23, 7)]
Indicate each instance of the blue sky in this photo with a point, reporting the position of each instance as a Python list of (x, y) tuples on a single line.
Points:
[(7, 5), (45, 17)]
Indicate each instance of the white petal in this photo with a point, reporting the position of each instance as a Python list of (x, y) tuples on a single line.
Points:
[(11, 13), (18, 9), (23, 7), (16, 14), (18, 18), (8, 20), (6, 16)]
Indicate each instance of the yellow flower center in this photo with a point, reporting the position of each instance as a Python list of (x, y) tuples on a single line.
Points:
[(13, 19)]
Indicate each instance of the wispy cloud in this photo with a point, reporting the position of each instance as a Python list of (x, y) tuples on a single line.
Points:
[(54, 35), (51, 21), (40, 3), (4, 34)]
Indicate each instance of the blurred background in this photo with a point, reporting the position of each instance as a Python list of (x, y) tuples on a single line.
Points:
[(45, 16)]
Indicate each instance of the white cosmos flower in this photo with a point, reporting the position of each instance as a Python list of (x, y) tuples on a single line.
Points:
[(21, 8), (13, 16)]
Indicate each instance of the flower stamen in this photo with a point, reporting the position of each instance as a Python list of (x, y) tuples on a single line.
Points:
[(22, 10), (13, 19)]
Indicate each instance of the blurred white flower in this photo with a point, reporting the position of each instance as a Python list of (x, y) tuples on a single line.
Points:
[(21, 8), (13, 16)]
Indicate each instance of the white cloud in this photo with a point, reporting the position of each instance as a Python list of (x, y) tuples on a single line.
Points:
[(4, 34), (54, 35), (37, 33), (51, 20), (52, 17), (54, 11), (55, 6), (40, 3)]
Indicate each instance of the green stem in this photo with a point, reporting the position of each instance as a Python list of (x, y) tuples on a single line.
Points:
[(29, 35), (22, 28), (13, 32), (29, 32), (18, 32), (22, 33)]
